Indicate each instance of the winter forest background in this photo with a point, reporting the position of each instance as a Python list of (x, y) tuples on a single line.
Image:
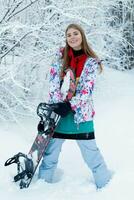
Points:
[(30, 32)]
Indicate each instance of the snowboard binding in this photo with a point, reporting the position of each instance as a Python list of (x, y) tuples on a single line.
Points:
[(48, 118), (25, 168)]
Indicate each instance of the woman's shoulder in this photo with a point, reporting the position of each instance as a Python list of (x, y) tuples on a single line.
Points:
[(92, 60), (60, 52), (92, 64), (57, 56)]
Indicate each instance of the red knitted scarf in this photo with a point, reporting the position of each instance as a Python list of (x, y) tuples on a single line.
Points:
[(77, 63)]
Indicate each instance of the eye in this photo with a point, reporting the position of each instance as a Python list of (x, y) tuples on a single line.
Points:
[(76, 33), (68, 35)]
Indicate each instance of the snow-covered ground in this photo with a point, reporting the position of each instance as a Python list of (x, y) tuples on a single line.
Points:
[(114, 103)]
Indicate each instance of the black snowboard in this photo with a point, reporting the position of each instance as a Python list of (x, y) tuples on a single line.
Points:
[(46, 126)]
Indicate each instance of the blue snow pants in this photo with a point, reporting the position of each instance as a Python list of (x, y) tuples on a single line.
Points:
[(90, 154)]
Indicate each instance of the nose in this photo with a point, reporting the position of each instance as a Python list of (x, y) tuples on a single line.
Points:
[(72, 37)]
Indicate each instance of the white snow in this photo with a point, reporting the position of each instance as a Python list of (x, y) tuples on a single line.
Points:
[(114, 99)]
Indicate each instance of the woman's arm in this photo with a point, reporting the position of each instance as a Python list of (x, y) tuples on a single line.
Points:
[(54, 86), (86, 85)]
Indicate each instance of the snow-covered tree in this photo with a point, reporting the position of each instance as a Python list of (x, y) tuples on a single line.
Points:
[(30, 31)]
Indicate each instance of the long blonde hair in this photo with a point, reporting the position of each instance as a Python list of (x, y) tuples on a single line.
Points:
[(85, 46)]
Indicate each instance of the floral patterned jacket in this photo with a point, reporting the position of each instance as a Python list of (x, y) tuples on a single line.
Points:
[(82, 102)]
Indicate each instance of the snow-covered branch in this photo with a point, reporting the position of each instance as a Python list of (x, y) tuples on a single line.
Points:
[(17, 42), (22, 9), (31, 31), (15, 8)]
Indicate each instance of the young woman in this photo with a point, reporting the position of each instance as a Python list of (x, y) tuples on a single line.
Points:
[(77, 114)]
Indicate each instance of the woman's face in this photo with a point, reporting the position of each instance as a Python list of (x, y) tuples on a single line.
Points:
[(74, 38)]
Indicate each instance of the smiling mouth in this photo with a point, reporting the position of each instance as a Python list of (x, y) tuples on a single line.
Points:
[(73, 42)]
